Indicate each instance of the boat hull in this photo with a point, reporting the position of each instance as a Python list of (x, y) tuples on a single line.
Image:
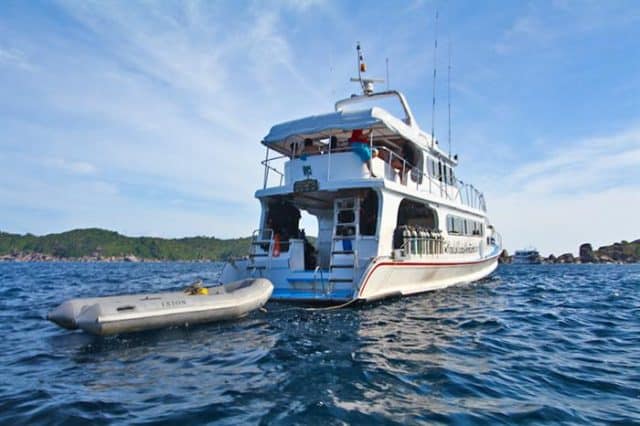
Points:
[(387, 278), (130, 313), (383, 277)]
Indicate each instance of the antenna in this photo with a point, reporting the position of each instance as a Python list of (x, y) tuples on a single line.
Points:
[(362, 67), (449, 93), (365, 83), (433, 105), (333, 87), (387, 64)]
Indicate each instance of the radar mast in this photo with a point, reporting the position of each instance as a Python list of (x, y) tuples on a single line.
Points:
[(365, 83)]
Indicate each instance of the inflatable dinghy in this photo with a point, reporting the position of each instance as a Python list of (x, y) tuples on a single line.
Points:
[(128, 313)]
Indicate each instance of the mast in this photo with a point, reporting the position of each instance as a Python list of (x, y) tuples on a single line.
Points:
[(365, 83), (362, 67), (387, 64), (449, 95), (433, 105)]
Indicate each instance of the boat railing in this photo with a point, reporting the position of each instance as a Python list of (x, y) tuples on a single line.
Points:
[(422, 246), (261, 243), (497, 238), (269, 168), (410, 175), (466, 193), (434, 244)]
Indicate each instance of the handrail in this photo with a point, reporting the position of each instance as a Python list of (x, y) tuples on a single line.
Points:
[(410, 120), (465, 193), (441, 184), (268, 167), (423, 246)]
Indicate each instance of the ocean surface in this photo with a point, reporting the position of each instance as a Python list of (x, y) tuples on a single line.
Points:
[(531, 344)]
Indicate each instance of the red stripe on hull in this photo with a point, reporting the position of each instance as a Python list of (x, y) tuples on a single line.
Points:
[(419, 264)]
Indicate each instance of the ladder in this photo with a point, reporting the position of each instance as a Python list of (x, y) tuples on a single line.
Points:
[(259, 240), (344, 243)]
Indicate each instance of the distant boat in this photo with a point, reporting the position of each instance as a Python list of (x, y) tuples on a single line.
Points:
[(527, 256)]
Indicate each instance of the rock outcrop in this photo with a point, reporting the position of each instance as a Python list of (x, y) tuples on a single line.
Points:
[(566, 258), (504, 257), (586, 254), (622, 252)]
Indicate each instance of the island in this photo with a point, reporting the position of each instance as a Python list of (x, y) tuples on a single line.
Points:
[(108, 246), (621, 252), (100, 245)]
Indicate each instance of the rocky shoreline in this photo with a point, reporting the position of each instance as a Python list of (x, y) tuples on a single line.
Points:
[(622, 252), (40, 257), (617, 253)]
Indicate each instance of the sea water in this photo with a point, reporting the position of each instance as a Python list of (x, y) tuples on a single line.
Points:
[(530, 344)]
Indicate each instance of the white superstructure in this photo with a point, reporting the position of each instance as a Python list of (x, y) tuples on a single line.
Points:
[(414, 227), (528, 256)]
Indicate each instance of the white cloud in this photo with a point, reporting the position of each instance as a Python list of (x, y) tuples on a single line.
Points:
[(301, 5), (525, 29), (588, 191), (15, 58), (541, 25), (169, 103), (582, 164), (74, 167)]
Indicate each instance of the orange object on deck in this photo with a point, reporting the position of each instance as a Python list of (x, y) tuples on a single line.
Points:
[(276, 245)]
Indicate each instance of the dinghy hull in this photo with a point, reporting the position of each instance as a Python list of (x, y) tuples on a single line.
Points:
[(130, 313)]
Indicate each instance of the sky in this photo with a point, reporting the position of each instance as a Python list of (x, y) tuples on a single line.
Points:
[(146, 117)]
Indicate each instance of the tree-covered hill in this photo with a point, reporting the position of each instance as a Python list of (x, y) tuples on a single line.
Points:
[(103, 244)]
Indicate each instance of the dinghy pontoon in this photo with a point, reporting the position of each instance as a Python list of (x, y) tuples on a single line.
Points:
[(128, 313)]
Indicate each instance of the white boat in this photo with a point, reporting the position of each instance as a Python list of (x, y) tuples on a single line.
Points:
[(407, 226), (129, 313), (529, 256)]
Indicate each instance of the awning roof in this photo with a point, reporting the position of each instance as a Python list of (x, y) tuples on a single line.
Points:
[(326, 125)]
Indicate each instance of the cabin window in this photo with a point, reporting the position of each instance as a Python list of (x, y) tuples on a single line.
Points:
[(451, 226), (459, 226), (440, 171)]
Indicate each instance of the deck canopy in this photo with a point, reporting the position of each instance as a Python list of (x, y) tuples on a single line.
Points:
[(284, 137)]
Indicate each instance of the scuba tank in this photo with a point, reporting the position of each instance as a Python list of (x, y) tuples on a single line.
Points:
[(414, 240), (423, 241), (438, 241), (406, 236)]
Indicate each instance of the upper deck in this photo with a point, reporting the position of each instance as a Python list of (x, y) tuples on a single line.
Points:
[(341, 168), (314, 153)]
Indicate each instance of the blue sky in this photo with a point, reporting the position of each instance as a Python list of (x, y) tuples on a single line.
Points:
[(146, 117)]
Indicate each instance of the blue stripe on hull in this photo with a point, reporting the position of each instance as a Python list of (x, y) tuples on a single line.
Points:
[(289, 294)]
